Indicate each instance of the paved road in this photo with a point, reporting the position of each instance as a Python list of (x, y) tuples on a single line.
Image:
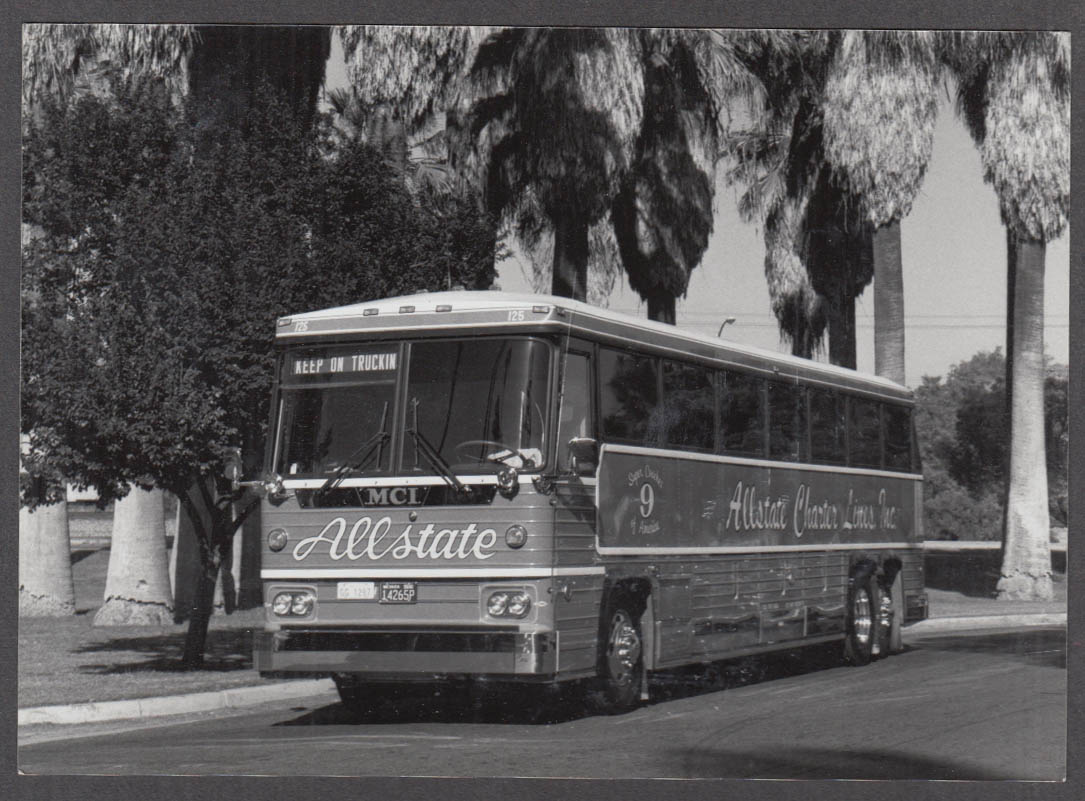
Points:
[(979, 705)]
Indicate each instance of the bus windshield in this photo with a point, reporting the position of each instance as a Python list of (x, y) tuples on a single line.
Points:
[(480, 404), (476, 405)]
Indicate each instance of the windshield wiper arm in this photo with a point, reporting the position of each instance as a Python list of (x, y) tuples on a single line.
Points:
[(370, 446), (374, 444), (436, 461)]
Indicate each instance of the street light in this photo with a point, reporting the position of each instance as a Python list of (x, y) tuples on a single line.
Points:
[(724, 325)]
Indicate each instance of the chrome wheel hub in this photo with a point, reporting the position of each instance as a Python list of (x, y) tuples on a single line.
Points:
[(624, 647), (862, 614)]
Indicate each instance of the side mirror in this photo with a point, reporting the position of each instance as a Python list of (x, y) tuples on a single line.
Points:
[(585, 455), (233, 469)]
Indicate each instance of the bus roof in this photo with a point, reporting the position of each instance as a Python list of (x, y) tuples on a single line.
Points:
[(503, 311)]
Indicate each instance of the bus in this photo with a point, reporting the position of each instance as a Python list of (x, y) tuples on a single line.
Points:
[(483, 486)]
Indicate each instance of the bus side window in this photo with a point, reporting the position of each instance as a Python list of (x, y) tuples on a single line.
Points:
[(688, 400), (787, 422), (574, 418), (827, 425), (898, 437), (742, 414), (627, 396), (864, 433)]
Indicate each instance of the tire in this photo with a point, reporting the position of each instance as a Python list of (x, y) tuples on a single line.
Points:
[(862, 620), (892, 617), (621, 657)]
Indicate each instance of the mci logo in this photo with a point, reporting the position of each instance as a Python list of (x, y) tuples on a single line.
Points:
[(394, 496)]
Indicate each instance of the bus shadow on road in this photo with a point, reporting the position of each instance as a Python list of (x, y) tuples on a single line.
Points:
[(828, 763), (526, 705)]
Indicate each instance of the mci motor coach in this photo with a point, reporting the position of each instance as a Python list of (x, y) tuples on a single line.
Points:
[(479, 485)]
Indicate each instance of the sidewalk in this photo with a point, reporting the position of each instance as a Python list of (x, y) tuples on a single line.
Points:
[(949, 611)]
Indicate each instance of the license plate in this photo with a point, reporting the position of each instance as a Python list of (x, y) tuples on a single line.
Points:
[(356, 590), (398, 592)]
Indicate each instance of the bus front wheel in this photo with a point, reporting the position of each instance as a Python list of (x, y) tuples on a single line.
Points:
[(621, 667), (863, 619)]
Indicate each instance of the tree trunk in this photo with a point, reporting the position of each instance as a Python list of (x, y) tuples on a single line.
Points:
[(888, 303), (661, 306), (1026, 547), (570, 279), (137, 590), (46, 588), (841, 314)]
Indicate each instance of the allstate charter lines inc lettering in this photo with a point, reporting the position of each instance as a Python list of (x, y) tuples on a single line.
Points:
[(747, 511)]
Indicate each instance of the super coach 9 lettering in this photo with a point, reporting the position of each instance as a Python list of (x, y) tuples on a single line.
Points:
[(481, 486)]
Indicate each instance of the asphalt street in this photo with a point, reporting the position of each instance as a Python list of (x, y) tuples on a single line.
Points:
[(959, 705)]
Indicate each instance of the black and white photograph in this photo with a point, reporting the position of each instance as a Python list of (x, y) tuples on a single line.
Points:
[(543, 402)]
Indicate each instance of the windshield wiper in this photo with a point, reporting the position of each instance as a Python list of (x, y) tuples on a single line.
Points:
[(436, 461), (360, 458)]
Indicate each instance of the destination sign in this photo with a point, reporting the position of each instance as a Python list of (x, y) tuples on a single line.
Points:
[(341, 363)]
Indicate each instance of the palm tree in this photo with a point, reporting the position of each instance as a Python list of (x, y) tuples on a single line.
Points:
[(551, 131), (663, 212), (589, 144), (1014, 95), (879, 106), (818, 246), (46, 588), (137, 591)]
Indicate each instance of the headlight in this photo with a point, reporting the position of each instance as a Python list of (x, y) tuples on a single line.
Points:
[(282, 603), (277, 539), (516, 536), (293, 604), (519, 604), (302, 604), (497, 604), (509, 604)]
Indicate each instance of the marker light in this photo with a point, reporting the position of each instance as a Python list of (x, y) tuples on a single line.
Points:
[(515, 536), (277, 539)]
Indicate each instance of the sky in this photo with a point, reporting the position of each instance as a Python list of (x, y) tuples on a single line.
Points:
[(954, 260)]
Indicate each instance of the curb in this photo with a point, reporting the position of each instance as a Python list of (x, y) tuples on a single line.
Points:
[(940, 624), (241, 697), (174, 704)]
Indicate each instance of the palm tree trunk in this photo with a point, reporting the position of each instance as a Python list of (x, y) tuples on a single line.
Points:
[(841, 314), (888, 303), (661, 305), (570, 279), (46, 588), (1026, 548), (137, 591)]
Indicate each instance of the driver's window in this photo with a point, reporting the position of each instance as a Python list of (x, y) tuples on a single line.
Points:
[(574, 419)]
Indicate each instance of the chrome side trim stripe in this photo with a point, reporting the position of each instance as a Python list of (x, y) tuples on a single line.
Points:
[(421, 573)]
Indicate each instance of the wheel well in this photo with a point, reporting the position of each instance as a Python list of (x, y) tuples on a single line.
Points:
[(636, 590)]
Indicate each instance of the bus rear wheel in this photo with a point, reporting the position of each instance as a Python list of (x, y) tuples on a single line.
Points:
[(621, 668), (862, 623)]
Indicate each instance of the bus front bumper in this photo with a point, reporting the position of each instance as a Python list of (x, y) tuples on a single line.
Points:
[(406, 652)]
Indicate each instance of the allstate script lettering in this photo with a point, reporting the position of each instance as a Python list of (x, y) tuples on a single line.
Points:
[(374, 540)]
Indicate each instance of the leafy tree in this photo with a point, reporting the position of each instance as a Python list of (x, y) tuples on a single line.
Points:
[(152, 354), (218, 68), (963, 430)]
